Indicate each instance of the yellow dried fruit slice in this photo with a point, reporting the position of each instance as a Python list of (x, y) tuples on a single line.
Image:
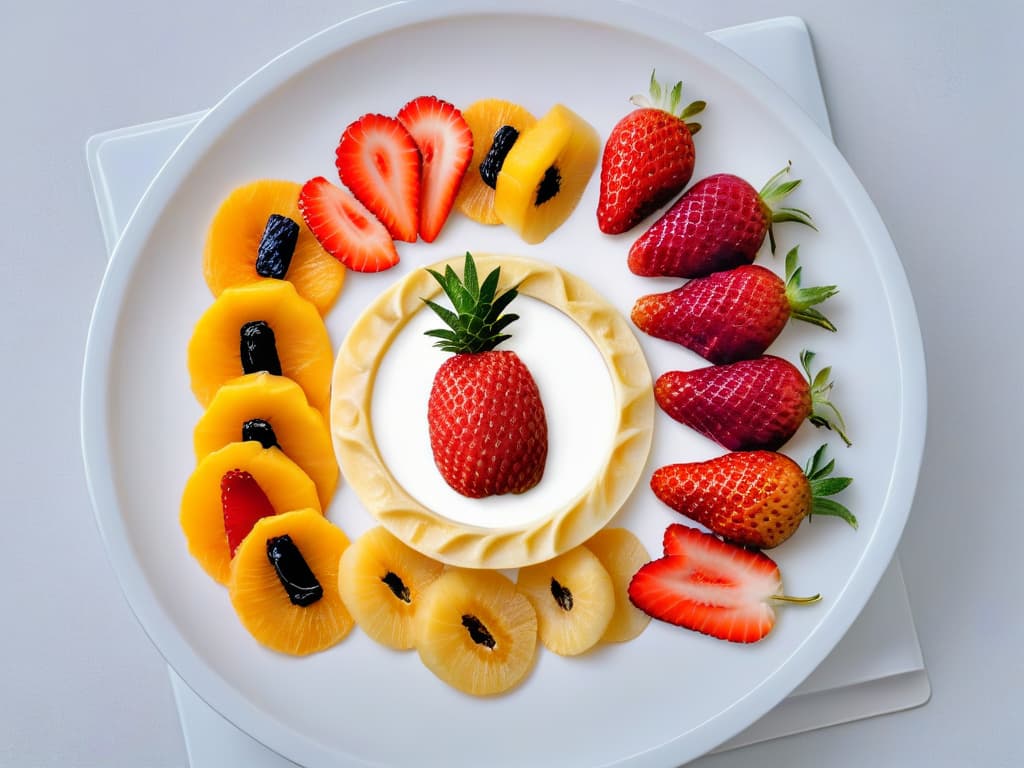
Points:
[(381, 581), (286, 608), (622, 554), (476, 632), (233, 241), (242, 315), (574, 600), (285, 485), (545, 173), (485, 118), (267, 407)]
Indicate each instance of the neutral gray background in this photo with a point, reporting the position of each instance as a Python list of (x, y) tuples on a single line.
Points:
[(925, 100)]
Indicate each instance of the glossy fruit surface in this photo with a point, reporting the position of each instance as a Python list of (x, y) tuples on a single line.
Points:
[(486, 118), (545, 173), (285, 485), (299, 429), (301, 342), (233, 243), (381, 581), (574, 599), (476, 632), (648, 158), (268, 608), (621, 553)]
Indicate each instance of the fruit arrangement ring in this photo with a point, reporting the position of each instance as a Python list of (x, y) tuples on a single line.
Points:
[(429, 530)]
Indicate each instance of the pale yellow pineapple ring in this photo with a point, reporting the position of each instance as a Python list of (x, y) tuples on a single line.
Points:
[(471, 546)]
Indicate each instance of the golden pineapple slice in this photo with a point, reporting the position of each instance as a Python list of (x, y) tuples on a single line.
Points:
[(574, 600), (263, 407), (285, 590), (622, 554), (476, 632), (233, 242), (545, 173), (381, 581), (486, 118), (285, 485), (282, 333)]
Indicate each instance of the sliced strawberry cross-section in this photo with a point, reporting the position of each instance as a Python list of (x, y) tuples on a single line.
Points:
[(445, 142), (378, 160), (710, 586), (345, 228)]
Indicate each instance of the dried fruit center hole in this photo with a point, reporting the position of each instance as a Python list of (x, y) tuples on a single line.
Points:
[(261, 431), (562, 595), (293, 571), (549, 185), (258, 348), (477, 631), (397, 586)]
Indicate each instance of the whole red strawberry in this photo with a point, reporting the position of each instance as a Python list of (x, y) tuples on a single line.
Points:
[(754, 498), (720, 223), (711, 586), (750, 404), (648, 158), (732, 315), (488, 429)]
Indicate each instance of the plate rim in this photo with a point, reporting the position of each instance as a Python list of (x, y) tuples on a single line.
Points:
[(95, 439)]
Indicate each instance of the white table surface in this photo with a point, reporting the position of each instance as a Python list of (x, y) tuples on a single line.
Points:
[(923, 99)]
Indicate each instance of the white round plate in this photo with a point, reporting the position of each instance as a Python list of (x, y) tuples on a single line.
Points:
[(659, 700)]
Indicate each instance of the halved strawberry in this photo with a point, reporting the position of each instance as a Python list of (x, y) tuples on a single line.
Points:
[(446, 147), (345, 228), (243, 502), (711, 586), (379, 162)]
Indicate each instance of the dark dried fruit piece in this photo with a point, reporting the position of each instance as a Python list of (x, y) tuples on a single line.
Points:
[(490, 166), (260, 431), (258, 348), (293, 571), (277, 246)]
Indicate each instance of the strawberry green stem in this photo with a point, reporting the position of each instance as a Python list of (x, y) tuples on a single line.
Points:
[(772, 193), (797, 600), (669, 100), (818, 474), (802, 300), (823, 412)]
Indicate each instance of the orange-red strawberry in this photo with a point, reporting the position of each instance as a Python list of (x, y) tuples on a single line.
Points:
[(720, 223), (732, 315), (446, 147), (711, 586), (648, 158), (750, 404), (345, 228), (379, 162), (243, 502), (488, 429), (754, 498)]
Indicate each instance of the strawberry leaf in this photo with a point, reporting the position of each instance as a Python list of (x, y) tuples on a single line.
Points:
[(832, 509)]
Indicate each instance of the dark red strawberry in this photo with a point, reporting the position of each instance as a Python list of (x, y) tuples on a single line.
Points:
[(648, 158), (345, 228), (379, 162), (711, 586), (732, 315), (754, 498), (720, 223), (243, 503), (750, 404), (446, 147), (488, 429)]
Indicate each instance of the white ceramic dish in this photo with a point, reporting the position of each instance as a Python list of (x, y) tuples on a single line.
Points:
[(670, 695)]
